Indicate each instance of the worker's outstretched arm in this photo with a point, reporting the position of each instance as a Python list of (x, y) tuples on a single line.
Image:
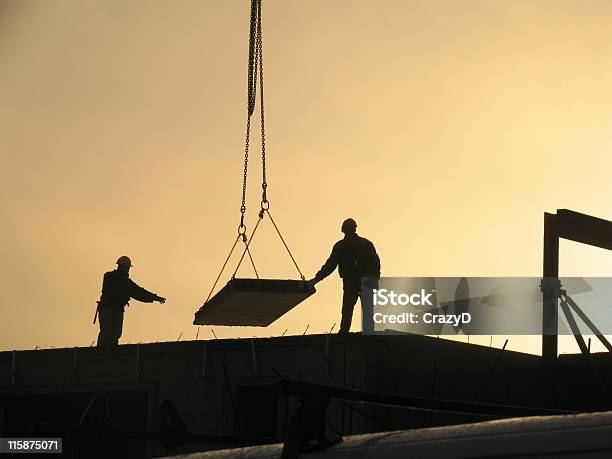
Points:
[(328, 267), (141, 294)]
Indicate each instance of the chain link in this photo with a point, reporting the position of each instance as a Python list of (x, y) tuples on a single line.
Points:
[(255, 72), (254, 46), (264, 183), (255, 8), (242, 226)]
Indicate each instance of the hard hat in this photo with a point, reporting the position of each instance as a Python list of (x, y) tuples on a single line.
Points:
[(349, 224), (124, 261)]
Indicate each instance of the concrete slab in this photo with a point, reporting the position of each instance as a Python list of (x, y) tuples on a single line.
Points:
[(253, 302)]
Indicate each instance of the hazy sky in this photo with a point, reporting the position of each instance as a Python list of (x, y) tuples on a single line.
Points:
[(445, 128)]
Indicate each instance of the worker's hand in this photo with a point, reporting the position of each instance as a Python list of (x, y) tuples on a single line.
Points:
[(161, 299)]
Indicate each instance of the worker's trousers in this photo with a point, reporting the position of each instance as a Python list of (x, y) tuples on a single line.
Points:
[(111, 327), (352, 291)]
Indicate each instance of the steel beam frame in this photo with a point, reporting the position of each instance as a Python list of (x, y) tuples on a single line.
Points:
[(577, 227)]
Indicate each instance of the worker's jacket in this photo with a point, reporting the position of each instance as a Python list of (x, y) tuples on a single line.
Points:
[(118, 289), (355, 258)]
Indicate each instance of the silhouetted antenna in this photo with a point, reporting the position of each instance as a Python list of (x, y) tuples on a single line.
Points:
[(332, 329), (589, 346), (284, 332), (213, 332), (493, 370), (197, 333), (306, 329), (179, 338)]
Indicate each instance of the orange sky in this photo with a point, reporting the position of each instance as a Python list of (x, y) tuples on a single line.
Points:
[(444, 128)]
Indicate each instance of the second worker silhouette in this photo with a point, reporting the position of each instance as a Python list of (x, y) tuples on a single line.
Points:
[(355, 258)]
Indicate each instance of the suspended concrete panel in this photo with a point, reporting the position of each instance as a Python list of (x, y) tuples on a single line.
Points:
[(252, 302)]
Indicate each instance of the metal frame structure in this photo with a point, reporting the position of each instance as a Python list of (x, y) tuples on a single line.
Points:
[(576, 227)]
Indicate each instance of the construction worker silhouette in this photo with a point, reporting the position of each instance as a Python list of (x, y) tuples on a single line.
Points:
[(355, 258), (117, 290)]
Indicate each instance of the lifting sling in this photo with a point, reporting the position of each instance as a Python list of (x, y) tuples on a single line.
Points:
[(253, 302)]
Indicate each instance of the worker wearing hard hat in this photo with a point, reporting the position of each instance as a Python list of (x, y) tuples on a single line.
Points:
[(117, 290), (355, 258)]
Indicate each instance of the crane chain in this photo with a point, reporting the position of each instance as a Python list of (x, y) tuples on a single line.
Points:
[(264, 184), (252, 47), (255, 23), (255, 72), (242, 226)]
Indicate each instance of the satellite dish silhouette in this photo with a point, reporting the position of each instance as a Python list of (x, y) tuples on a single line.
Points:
[(502, 296)]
